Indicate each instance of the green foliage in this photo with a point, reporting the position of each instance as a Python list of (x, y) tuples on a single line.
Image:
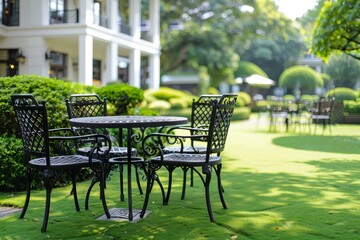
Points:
[(213, 90), (165, 93), (124, 97), (244, 99), (344, 69), (302, 77), (246, 69), (204, 80), (337, 29), (179, 98), (53, 91), (289, 97), (351, 107), (159, 106), (194, 47), (342, 94), (12, 164), (307, 97), (178, 103), (260, 106)]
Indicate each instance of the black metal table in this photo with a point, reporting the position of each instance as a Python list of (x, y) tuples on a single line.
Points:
[(129, 123)]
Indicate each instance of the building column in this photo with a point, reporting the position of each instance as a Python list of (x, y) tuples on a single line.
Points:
[(85, 59), (154, 71), (155, 21), (135, 68), (135, 18), (111, 72), (86, 14), (112, 14)]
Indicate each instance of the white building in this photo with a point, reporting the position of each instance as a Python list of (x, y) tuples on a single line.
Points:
[(88, 41)]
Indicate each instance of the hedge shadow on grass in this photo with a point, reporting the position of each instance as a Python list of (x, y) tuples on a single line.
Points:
[(331, 144)]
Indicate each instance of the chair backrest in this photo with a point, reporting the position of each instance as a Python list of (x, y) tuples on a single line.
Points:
[(323, 106), (85, 105), (222, 112), (33, 122), (201, 110)]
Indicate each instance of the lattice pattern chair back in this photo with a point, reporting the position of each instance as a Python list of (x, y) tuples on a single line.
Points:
[(323, 107), (221, 118), (32, 119), (86, 105), (201, 110)]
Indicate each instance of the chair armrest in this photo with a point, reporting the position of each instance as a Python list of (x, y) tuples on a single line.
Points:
[(100, 144), (154, 143), (63, 130)]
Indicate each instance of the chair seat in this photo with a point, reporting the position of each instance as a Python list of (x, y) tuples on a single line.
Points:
[(320, 117), (181, 159), (186, 149), (114, 151), (64, 162)]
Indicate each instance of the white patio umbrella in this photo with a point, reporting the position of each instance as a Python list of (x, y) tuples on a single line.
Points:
[(257, 80)]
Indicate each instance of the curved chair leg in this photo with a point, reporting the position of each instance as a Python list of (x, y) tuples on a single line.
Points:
[(47, 177), (149, 185), (138, 180), (73, 179), (185, 169), (220, 187), (207, 195), (100, 176), (28, 193), (166, 200), (93, 181)]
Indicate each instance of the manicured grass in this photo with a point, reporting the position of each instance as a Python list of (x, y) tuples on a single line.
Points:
[(277, 186)]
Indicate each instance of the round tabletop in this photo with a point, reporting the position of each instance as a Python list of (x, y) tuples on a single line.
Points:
[(127, 121)]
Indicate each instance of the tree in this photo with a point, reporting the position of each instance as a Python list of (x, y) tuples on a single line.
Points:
[(276, 44), (193, 47), (246, 69), (338, 29), (344, 70), (301, 78)]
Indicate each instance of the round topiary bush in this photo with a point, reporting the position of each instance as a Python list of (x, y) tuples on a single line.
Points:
[(122, 96), (301, 78), (246, 69), (342, 93), (244, 99)]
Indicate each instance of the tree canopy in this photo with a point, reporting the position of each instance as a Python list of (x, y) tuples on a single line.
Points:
[(344, 70), (217, 33), (338, 29)]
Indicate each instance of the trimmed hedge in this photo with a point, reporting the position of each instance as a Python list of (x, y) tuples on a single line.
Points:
[(342, 93), (54, 92)]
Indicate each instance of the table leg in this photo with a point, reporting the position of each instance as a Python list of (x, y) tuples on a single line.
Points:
[(129, 147)]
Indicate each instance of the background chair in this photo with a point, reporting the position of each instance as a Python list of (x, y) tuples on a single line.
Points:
[(200, 118), (321, 113), (90, 105), (37, 139), (215, 137)]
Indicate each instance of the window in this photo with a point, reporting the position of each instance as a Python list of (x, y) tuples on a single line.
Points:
[(97, 72), (8, 65), (57, 11), (9, 11), (58, 65)]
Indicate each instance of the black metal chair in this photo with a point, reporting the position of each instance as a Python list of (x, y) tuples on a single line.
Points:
[(90, 105), (39, 142), (215, 136), (200, 118), (321, 113)]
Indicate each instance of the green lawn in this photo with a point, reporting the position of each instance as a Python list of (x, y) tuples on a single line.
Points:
[(277, 186)]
